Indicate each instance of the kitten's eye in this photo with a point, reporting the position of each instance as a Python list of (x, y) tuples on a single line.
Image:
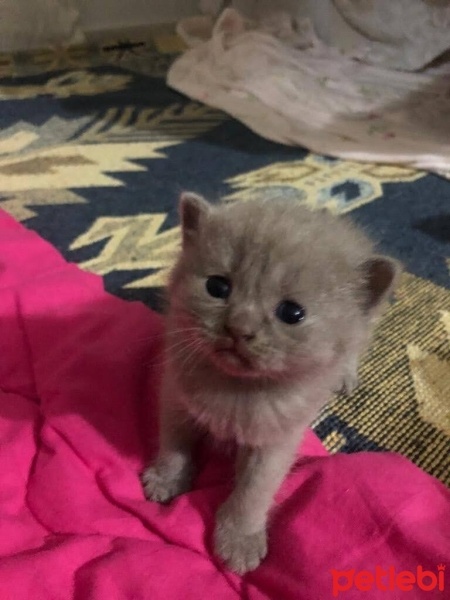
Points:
[(290, 312), (218, 286)]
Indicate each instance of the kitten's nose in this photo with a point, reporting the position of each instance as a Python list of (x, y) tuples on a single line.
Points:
[(239, 333)]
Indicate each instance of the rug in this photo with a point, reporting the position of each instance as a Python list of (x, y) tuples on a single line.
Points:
[(94, 151)]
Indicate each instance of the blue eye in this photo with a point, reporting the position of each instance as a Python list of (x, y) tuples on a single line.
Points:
[(218, 287), (290, 312)]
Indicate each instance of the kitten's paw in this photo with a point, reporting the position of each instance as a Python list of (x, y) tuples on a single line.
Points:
[(241, 552), (162, 485), (350, 383)]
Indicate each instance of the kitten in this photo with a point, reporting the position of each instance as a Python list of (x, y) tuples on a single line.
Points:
[(271, 306)]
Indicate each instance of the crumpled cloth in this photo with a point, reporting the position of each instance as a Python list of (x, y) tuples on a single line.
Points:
[(290, 87), (405, 34), (79, 376)]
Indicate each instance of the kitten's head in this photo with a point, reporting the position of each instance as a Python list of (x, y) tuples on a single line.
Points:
[(266, 288)]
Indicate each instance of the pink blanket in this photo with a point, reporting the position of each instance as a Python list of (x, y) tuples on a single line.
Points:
[(79, 375)]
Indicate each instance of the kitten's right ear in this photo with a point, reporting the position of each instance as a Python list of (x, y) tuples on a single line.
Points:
[(193, 209)]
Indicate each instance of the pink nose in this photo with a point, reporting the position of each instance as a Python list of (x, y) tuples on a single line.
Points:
[(239, 333)]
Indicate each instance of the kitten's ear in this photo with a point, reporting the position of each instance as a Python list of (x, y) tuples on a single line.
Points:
[(193, 209), (381, 275)]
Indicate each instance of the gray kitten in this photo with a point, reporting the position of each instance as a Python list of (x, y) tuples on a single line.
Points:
[(271, 306)]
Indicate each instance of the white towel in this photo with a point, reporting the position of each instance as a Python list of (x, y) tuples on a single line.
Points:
[(288, 86)]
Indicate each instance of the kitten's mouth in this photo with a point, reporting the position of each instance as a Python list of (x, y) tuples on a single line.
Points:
[(232, 360), (234, 356)]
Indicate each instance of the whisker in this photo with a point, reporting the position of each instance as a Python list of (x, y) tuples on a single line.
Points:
[(178, 348), (192, 355), (165, 333), (179, 343)]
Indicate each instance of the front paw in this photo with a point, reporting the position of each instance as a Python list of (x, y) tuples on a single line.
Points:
[(241, 551), (350, 383), (161, 485)]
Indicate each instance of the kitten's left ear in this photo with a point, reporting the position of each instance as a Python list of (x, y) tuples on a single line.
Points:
[(381, 275), (193, 209)]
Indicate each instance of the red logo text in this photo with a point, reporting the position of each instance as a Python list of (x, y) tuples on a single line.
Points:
[(388, 579)]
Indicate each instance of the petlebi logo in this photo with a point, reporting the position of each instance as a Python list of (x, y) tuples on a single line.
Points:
[(388, 580)]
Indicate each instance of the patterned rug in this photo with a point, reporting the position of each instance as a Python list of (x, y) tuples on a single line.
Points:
[(94, 150)]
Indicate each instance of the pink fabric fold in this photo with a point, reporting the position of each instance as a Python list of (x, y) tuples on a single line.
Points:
[(79, 377)]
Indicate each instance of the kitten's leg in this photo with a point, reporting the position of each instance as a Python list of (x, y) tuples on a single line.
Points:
[(352, 358), (240, 533), (172, 472), (350, 380)]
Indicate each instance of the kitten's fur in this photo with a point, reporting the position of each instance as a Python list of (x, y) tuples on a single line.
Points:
[(264, 397)]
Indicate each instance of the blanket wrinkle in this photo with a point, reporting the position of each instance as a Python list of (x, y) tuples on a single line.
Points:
[(27, 345), (135, 512), (30, 398)]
